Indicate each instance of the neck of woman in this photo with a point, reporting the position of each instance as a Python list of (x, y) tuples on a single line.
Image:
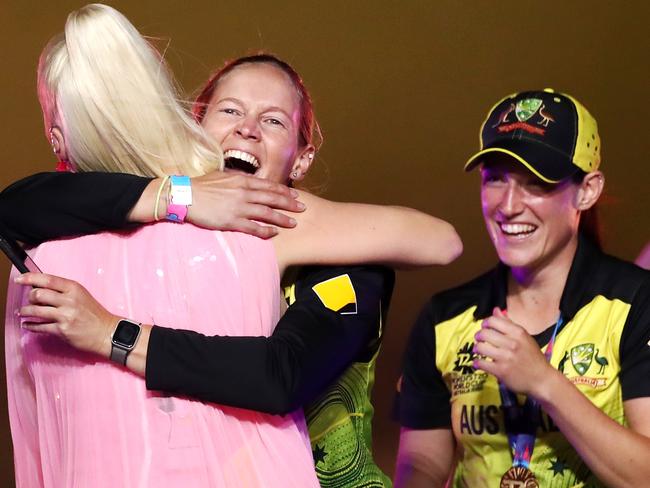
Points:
[(534, 293)]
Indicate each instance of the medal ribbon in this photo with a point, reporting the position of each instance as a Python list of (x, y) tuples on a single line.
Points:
[(521, 421)]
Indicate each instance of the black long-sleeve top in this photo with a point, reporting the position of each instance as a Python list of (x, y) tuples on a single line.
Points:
[(309, 348)]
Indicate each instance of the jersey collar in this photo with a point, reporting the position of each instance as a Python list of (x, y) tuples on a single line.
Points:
[(577, 290)]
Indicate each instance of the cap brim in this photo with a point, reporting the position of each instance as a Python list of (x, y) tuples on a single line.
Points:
[(546, 163)]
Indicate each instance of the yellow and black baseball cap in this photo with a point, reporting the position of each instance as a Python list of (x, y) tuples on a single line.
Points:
[(550, 133)]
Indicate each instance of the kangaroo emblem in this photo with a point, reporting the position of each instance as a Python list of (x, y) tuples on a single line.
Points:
[(503, 118)]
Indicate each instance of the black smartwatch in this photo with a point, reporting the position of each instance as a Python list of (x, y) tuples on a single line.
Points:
[(123, 340)]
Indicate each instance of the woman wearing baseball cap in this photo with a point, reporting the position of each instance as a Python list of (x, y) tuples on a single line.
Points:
[(537, 370)]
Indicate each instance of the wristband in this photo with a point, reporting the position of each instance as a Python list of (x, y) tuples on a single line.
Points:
[(180, 197)]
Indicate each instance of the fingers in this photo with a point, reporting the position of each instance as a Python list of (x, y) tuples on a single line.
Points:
[(254, 229), (42, 280), (222, 180), (486, 365), (274, 200), (487, 350), (494, 338), (47, 328), (45, 296), (271, 186), (501, 324), (39, 314), (497, 312), (267, 215)]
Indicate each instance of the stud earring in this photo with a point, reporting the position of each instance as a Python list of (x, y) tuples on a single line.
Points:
[(294, 175)]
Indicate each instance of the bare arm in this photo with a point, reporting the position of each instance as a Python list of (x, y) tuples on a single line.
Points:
[(619, 456), (342, 233), (425, 458)]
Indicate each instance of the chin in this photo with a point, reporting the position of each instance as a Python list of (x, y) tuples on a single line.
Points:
[(517, 258)]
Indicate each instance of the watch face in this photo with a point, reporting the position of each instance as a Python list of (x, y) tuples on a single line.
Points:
[(126, 333)]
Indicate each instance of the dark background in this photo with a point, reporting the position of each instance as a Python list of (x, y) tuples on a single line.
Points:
[(400, 89)]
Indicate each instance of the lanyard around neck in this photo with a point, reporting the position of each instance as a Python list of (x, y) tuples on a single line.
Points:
[(521, 421)]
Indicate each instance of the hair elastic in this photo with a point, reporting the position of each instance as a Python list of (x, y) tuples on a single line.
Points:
[(160, 189)]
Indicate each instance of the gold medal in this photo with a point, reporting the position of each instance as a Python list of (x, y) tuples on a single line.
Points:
[(519, 477)]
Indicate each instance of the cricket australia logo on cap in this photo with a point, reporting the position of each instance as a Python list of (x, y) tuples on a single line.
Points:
[(524, 111)]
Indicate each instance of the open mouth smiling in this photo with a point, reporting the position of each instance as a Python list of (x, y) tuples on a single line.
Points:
[(517, 230), (241, 161)]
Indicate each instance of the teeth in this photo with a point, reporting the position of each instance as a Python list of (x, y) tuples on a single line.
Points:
[(244, 156), (517, 228)]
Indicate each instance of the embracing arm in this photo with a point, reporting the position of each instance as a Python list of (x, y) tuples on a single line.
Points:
[(310, 347), (47, 206), (341, 233)]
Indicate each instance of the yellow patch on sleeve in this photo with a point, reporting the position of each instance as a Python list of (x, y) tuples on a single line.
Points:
[(290, 294), (338, 294)]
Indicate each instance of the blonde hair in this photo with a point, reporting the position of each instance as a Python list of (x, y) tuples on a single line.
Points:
[(114, 99)]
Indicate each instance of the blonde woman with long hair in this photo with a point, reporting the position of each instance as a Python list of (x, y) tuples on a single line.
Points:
[(109, 105)]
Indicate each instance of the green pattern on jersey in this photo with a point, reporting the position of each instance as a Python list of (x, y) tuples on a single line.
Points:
[(339, 424)]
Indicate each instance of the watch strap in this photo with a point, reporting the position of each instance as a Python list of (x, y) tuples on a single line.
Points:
[(119, 355)]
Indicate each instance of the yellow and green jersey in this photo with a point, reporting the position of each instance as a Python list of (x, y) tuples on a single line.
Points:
[(339, 419), (603, 349)]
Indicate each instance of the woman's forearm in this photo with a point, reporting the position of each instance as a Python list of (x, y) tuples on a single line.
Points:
[(429, 239), (342, 233), (48, 206), (618, 456), (144, 209)]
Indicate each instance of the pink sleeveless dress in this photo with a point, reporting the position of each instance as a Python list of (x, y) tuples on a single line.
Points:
[(81, 421)]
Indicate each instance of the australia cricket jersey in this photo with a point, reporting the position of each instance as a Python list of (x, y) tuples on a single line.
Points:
[(603, 349), (339, 419)]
